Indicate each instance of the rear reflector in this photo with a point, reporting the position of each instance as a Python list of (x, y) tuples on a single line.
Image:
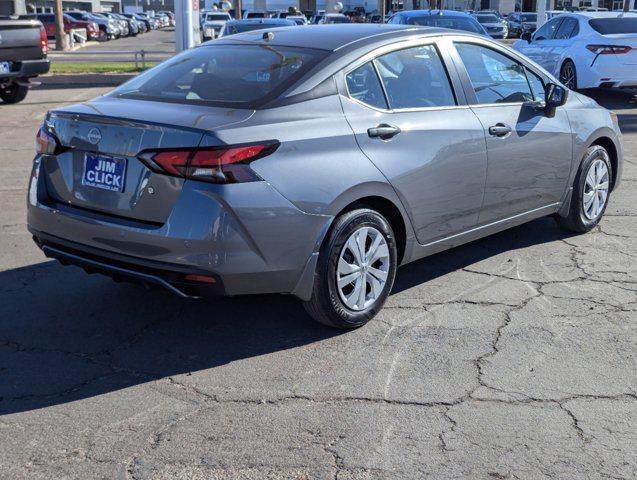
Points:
[(228, 164), (200, 279)]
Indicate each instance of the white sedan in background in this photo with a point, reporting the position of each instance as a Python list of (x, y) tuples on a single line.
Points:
[(213, 24), (586, 49)]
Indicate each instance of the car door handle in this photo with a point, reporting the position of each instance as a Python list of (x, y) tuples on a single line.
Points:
[(383, 131), (499, 130)]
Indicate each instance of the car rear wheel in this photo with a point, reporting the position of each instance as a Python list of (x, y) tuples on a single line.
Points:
[(568, 75), (591, 192), (356, 270), (13, 93)]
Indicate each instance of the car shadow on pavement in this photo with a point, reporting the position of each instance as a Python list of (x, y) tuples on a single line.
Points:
[(67, 336)]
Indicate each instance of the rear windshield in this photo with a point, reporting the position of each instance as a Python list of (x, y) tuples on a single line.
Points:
[(610, 26), (231, 29), (528, 18), (338, 20), (217, 16), (240, 76), (454, 23)]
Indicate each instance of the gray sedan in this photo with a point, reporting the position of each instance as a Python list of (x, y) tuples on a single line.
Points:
[(314, 161)]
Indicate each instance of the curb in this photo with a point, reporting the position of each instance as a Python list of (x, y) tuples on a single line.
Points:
[(84, 80)]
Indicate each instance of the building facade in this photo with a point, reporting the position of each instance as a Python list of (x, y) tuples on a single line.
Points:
[(20, 7)]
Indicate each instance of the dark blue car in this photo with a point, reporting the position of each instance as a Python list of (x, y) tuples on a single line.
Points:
[(439, 18)]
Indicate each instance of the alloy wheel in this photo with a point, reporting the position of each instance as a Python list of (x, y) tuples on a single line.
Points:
[(362, 270), (567, 76), (595, 189)]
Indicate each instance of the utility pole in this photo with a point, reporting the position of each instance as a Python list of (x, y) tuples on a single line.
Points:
[(238, 14), (60, 36), (626, 5), (381, 10)]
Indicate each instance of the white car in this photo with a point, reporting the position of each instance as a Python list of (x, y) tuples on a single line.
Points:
[(495, 26), (298, 19), (586, 49), (213, 24)]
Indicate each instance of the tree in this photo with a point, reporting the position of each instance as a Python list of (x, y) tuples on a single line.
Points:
[(626, 5), (61, 42)]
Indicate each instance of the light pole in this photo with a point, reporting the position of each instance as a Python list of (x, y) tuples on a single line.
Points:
[(187, 24), (61, 42)]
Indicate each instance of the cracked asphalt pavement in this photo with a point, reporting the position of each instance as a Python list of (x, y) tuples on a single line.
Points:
[(511, 357)]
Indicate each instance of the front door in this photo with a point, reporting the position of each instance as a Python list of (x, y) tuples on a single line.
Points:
[(407, 120), (529, 154)]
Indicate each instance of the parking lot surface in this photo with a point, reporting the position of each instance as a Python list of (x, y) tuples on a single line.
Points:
[(161, 42), (511, 357)]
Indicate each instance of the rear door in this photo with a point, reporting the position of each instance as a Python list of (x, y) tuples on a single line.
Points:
[(539, 49), (529, 154), (417, 129)]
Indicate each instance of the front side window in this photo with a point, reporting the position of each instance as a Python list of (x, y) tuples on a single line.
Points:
[(547, 32), (495, 77), (363, 85), (537, 86), (415, 78), (240, 76)]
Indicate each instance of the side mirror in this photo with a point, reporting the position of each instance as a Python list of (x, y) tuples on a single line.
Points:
[(556, 96), (526, 36)]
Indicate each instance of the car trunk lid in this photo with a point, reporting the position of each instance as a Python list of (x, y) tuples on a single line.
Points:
[(627, 40), (100, 170)]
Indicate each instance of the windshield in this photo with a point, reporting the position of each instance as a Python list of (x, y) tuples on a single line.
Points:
[(528, 18), (217, 16), (454, 23), (222, 75), (487, 19), (610, 26)]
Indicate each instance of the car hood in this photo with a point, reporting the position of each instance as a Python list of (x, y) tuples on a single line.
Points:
[(186, 116)]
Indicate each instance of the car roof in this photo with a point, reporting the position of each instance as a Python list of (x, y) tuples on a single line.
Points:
[(591, 15), (424, 13), (265, 21), (330, 37)]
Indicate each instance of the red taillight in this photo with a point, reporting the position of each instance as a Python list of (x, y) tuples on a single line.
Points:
[(608, 49), (217, 165), (44, 41), (46, 143)]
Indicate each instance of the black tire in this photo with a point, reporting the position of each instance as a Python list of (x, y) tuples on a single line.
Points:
[(326, 305), (576, 220), (13, 93), (565, 77)]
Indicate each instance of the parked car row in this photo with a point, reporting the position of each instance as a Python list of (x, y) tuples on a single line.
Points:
[(105, 25)]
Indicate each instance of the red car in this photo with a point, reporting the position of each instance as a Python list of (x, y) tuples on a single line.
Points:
[(48, 20)]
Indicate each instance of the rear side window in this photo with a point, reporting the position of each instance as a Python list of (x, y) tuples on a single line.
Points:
[(240, 76), (363, 85), (415, 78), (611, 26), (495, 77), (567, 29)]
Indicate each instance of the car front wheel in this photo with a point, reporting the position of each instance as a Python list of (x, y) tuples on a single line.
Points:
[(356, 270), (591, 192)]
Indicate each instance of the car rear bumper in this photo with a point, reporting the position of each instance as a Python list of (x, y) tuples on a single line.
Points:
[(27, 68), (607, 72), (247, 237)]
